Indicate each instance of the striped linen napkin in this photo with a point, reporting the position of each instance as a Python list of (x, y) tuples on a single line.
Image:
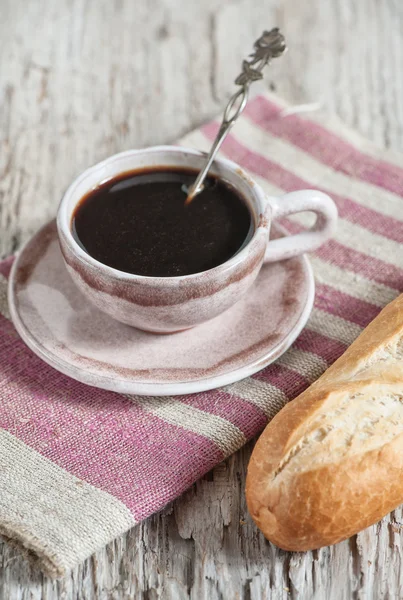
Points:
[(79, 466)]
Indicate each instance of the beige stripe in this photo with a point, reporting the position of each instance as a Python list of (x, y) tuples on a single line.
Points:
[(308, 364), (333, 327), (264, 395), (362, 240), (316, 173), (334, 124), (3, 298), (227, 436), (58, 517), (351, 283)]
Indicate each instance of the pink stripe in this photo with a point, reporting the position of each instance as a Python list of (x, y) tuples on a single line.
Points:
[(288, 181), (325, 146), (96, 435), (290, 382), (244, 415), (326, 348), (5, 266), (357, 262), (344, 306)]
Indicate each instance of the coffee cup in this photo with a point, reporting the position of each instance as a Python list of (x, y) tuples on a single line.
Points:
[(171, 304)]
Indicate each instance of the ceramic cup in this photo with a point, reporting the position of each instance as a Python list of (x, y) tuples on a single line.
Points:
[(169, 304)]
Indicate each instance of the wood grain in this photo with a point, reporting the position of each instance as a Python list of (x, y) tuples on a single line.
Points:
[(82, 79)]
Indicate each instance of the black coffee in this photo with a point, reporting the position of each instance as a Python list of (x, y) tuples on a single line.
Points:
[(138, 223)]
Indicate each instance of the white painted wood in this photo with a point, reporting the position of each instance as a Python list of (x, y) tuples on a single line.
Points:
[(81, 79)]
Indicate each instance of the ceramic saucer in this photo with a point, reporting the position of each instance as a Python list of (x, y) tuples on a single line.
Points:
[(71, 335)]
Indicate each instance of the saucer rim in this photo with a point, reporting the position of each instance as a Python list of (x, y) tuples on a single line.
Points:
[(156, 388)]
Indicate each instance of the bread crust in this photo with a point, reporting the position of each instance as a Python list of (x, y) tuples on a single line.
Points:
[(330, 463)]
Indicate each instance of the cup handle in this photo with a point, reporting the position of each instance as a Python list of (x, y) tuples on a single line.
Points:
[(306, 241)]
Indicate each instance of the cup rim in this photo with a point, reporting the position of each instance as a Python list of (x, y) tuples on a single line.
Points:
[(63, 220)]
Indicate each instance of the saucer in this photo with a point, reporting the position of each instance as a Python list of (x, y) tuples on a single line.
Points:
[(66, 331)]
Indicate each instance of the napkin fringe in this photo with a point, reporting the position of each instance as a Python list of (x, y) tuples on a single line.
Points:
[(33, 550)]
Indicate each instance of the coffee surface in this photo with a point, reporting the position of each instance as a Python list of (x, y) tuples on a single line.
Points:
[(138, 223)]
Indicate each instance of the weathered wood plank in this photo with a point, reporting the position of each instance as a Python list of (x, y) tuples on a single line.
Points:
[(82, 79)]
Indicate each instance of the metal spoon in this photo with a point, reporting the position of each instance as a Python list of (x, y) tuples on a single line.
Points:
[(271, 44)]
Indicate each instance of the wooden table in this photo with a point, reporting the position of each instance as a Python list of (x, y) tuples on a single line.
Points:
[(82, 79)]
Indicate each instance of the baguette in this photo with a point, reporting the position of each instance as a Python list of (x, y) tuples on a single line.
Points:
[(330, 463)]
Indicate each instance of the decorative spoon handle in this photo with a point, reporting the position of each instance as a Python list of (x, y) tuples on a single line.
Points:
[(271, 44)]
